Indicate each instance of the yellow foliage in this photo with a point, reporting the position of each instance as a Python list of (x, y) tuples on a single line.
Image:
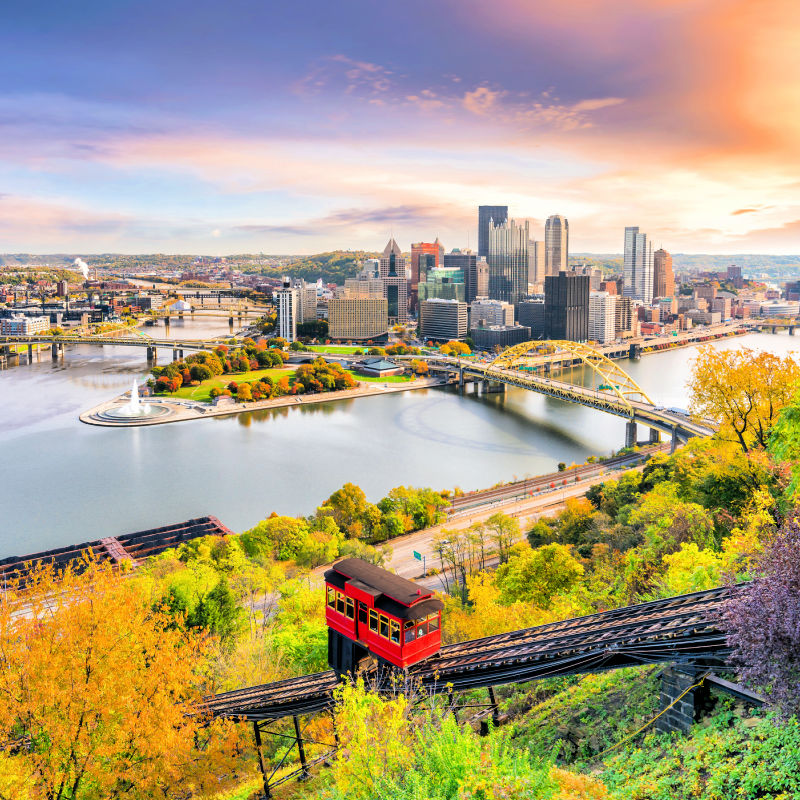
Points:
[(577, 787), (374, 738), (90, 669), (691, 570)]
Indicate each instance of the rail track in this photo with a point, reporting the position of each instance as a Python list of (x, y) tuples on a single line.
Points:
[(684, 629)]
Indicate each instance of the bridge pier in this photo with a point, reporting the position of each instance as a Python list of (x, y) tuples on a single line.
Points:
[(674, 441), (56, 350), (630, 434), (460, 379), (166, 320), (30, 354), (687, 710), (791, 330), (174, 354), (230, 323), (151, 354), (655, 435)]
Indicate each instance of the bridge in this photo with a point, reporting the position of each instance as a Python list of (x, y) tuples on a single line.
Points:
[(684, 631), (774, 323), (530, 365), (57, 343)]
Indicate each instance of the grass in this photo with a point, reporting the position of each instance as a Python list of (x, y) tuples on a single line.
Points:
[(335, 349), (376, 379), (201, 393)]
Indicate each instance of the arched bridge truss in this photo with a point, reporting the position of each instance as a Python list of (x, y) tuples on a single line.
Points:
[(613, 378)]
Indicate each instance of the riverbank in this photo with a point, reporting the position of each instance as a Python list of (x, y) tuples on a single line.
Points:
[(184, 410)]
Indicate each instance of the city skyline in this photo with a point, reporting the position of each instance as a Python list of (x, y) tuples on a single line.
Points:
[(208, 129)]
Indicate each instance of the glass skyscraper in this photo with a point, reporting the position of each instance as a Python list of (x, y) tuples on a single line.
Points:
[(508, 261), (486, 216)]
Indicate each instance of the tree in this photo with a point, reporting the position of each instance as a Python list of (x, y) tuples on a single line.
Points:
[(455, 348), (96, 685), (743, 391), (503, 532), (200, 372), (348, 505), (244, 392), (784, 445), (420, 367), (536, 576), (762, 621)]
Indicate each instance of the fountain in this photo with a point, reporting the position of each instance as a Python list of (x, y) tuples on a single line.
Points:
[(134, 409)]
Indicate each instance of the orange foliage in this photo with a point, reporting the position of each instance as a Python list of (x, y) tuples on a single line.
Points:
[(96, 687), (577, 787)]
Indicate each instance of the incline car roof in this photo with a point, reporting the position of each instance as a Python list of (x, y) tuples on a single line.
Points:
[(403, 591)]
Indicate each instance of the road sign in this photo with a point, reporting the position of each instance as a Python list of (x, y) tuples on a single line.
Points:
[(417, 556)]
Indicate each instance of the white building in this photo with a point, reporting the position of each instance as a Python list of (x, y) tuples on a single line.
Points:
[(638, 266), (307, 298), (483, 311), (443, 320), (18, 325), (288, 310), (602, 316)]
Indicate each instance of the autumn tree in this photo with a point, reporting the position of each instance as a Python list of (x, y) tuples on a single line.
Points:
[(537, 575), (743, 391), (503, 532), (96, 685)]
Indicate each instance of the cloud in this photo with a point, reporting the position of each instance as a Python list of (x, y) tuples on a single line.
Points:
[(744, 211), (481, 100)]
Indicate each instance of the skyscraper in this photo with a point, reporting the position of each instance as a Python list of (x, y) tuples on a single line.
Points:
[(566, 306), (536, 271), (288, 310), (468, 262), (418, 250), (663, 277), (508, 261), (395, 285), (638, 266), (487, 214), (602, 316), (556, 245)]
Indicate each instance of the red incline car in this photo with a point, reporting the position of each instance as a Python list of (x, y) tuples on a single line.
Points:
[(372, 612)]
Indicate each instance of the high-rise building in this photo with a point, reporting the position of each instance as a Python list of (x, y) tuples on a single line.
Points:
[(486, 216), (419, 249), (602, 317), (446, 283), (483, 312), (467, 262), (307, 297), (735, 276), (443, 320), (556, 245), (395, 285), (566, 306), (482, 284), (288, 310), (625, 320), (508, 261), (358, 318), (638, 266), (536, 271), (531, 315), (663, 277)]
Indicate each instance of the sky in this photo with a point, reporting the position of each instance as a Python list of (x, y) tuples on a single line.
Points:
[(298, 127)]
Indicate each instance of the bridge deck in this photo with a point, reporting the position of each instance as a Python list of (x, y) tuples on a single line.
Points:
[(683, 628)]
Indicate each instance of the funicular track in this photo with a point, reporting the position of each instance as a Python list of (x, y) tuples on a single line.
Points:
[(679, 629)]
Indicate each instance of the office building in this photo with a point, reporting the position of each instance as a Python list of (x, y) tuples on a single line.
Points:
[(566, 306), (442, 320), (288, 301), (307, 299), (602, 317), (490, 312), (362, 287), (638, 266), (467, 262), (432, 251), (663, 276), (531, 314), (556, 245), (19, 325), (358, 318), (446, 283), (482, 284), (734, 275), (625, 319), (508, 261), (536, 270), (486, 216), (395, 286), (498, 337), (62, 288)]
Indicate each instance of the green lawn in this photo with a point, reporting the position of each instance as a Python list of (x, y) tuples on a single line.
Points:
[(336, 349), (201, 393), (387, 379)]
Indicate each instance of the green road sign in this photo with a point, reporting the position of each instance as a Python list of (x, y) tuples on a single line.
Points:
[(417, 556)]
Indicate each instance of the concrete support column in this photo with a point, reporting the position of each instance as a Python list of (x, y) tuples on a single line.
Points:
[(630, 434), (674, 441), (30, 354), (689, 708), (461, 378), (180, 354), (54, 351), (166, 321), (174, 354), (655, 436)]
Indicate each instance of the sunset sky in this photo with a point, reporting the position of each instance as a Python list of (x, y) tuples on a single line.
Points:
[(297, 127)]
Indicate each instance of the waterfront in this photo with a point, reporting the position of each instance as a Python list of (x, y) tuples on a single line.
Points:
[(65, 482)]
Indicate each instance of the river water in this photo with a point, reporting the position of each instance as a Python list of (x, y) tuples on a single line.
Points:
[(64, 482)]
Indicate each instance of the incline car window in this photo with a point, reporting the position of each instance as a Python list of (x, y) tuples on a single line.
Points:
[(331, 597), (340, 602), (351, 609), (384, 631), (395, 636), (373, 621)]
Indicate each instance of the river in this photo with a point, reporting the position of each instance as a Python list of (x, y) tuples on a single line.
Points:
[(64, 482)]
